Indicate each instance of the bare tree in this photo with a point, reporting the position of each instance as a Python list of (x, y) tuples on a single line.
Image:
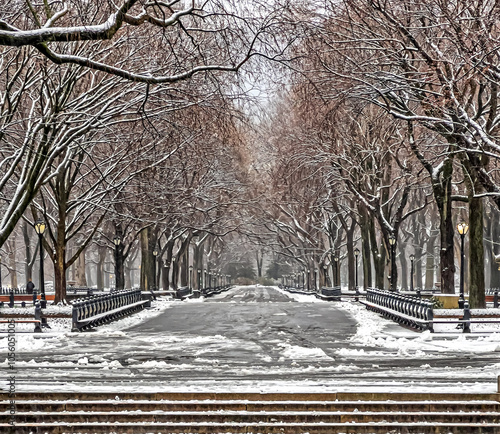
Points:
[(126, 38)]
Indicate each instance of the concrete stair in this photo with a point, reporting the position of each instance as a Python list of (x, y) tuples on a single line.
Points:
[(219, 413)]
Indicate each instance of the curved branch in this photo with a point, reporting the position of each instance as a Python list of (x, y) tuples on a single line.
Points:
[(19, 38)]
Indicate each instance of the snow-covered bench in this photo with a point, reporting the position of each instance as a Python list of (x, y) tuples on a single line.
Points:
[(330, 294), (36, 322)]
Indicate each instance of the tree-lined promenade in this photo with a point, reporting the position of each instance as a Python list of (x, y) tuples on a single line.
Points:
[(131, 131)]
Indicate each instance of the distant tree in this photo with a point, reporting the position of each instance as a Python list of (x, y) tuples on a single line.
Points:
[(278, 268), (242, 269)]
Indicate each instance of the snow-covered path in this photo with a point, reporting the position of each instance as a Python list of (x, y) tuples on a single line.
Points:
[(256, 339)]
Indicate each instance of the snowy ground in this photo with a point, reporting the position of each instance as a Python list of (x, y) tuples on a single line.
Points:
[(254, 339)]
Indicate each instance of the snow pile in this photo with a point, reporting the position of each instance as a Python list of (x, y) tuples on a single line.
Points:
[(301, 298), (59, 334), (376, 331), (29, 310), (300, 353)]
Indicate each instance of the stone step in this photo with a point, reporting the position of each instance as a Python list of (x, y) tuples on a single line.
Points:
[(234, 428), (284, 416), (306, 406), (233, 396), (251, 413)]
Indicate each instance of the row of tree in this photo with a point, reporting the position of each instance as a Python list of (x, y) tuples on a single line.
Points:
[(119, 127), (390, 128), (120, 121)]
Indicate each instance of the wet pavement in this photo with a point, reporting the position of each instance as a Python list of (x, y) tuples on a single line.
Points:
[(251, 337)]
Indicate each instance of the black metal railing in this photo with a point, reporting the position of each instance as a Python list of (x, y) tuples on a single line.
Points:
[(7, 291), (103, 308), (405, 309)]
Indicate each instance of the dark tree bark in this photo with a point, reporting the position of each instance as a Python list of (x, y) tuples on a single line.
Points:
[(101, 257), (148, 242), (477, 298), (379, 257), (365, 247)]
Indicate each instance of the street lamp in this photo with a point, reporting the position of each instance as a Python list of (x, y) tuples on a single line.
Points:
[(412, 260), (356, 255), (336, 276), (308, 280), (40, 229), (462, 230), (0, 274), (155, 254), (392, 242), (117, 241)]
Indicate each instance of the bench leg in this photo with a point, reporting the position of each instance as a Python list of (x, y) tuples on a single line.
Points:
[(38, 329)]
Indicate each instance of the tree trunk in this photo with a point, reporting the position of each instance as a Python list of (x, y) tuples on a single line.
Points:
[(393, 267), (260, 259), (446, 229), (60, 271), (365, 248), (59, 278), (404, 265), (29, 261), (175, 273), (127, 274), (80, 276), (101, 257), (419, 239), (477, 298), (11, 243), (88, 274), (148, 243), (351, 261), (72, 268), (168, 252), (494, 231), (183, 263), (430, 266), (59, 257), (379, 257), (165, 274), (197, 265)]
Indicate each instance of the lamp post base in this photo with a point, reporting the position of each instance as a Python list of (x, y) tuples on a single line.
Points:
[(461, 302)]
